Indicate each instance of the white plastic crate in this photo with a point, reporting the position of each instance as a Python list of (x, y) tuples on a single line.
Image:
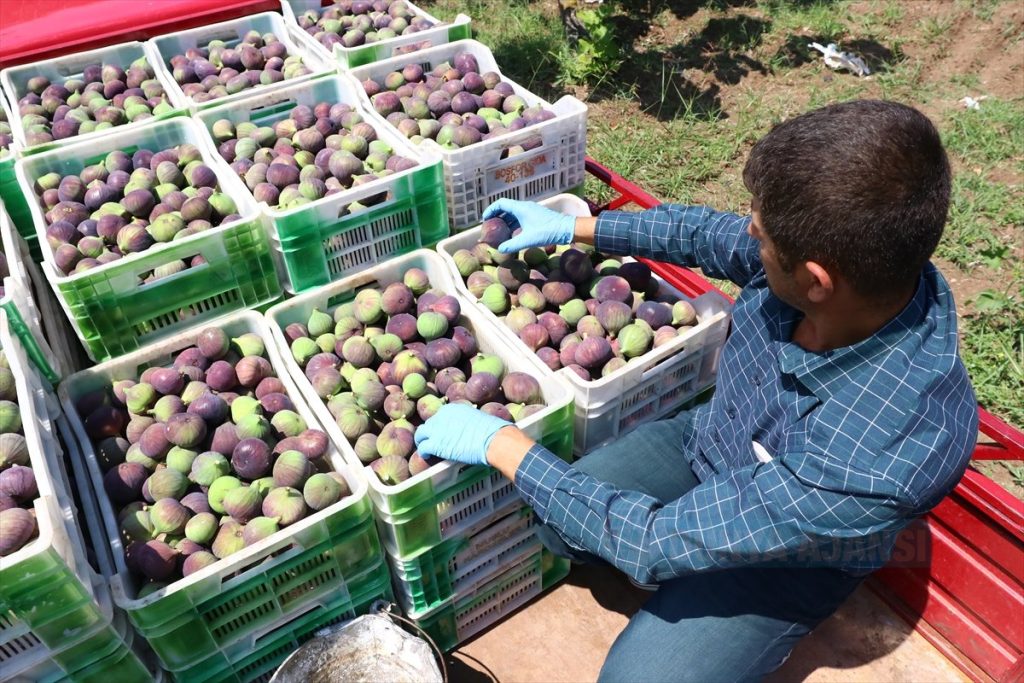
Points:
[(351, 57), (492, 599), (449, 569), (50, 573), (110, 307), (162, 48), (20, 296), (297, 550), (14, 80), (319, 242), (477, 175), (427, 488), (650, 386)]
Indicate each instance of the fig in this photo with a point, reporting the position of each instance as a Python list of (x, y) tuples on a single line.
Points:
[(365, 448), (258, 528), (225, 438), (228, 540), (123, 483), (391, 470), (208, 467), (17, 527), (251, 458), (19, 482), (14, 450), (592, 353), (251, 370), (683, 313), (286, 504), (168, 516), (243, 503), (186, 430), (221, 376), (321, 491), (213, 343), (291, 469), (154, 559), (519, 387), (196, 561), (181, 459), (634, 340)]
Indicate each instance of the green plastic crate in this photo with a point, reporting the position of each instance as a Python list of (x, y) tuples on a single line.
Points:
[(23, 315), (112, 310), (430, 578), (349, 57), (465, 616), (102, 654), (222, 609), (260, 663), (423, 503), (10, 191), (320, 242), (60, 69)]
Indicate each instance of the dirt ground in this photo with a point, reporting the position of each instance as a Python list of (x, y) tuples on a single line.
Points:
[(685, 40)]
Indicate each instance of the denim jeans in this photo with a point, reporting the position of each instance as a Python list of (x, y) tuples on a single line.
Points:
[(727, 625)]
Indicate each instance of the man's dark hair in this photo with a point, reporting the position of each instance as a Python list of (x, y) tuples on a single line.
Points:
[(861, 186)]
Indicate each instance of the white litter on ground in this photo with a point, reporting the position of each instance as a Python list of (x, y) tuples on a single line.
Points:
[(836, 59), (973, 102)]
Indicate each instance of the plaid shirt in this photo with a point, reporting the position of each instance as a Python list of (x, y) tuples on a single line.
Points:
[(863, 438)]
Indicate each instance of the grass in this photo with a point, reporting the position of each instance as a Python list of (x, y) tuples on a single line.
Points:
[(701, 81)]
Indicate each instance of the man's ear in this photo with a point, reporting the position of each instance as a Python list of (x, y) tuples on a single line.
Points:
[(822, 285)]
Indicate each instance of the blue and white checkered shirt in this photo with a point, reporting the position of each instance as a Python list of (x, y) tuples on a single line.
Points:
[(864, 438)]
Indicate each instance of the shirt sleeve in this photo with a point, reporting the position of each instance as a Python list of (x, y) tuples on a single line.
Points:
[(763, 514), (691, 236)]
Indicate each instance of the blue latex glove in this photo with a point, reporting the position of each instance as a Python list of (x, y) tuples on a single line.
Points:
[(541, 226), (458, 432)]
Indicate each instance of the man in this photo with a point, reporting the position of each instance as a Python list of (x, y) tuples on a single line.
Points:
[(841, 412)]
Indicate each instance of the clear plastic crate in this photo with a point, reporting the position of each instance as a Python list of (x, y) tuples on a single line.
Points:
[(462, 617), (221, 611), (162, 48), (351, 57), (23, 315), (111, 309), (426, 580), (425, 494), (320, 242), (10, 192), (59, 69), (477, 175), (650, 386)]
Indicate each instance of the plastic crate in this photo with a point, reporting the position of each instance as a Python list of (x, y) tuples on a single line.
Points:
[(48, 593), (320, 242), (102, 652), (267, 653), (477, 175), (10, 192), (351, 57), (648, 387), (426, 492), (433, 576), (111, 309), (223, 609), (23, 315), (464, 616), (59, 69), (162, 48)]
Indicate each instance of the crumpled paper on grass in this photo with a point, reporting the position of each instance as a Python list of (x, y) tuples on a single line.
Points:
[(836, 59)]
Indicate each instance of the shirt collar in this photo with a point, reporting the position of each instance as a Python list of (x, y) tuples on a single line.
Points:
[(823, 373)]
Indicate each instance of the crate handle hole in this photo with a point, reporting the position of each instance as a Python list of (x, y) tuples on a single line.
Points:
[(363, 204), (167, 270)]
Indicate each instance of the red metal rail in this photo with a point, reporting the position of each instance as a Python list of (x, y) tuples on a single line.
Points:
[(962, 585)]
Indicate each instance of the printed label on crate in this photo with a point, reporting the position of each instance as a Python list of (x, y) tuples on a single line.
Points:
[(541, 163)]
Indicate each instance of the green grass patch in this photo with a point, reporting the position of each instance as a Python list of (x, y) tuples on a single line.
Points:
[(978, 208), (989, 135), (992, 346)]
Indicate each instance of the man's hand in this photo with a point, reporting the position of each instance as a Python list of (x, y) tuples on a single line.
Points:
[(459, 432), (540, 225)]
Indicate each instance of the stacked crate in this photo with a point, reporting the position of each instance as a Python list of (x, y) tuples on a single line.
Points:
[(57, 621), (454, 534), (218, 621)]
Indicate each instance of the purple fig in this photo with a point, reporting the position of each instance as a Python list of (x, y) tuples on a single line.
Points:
[(286, 504)]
